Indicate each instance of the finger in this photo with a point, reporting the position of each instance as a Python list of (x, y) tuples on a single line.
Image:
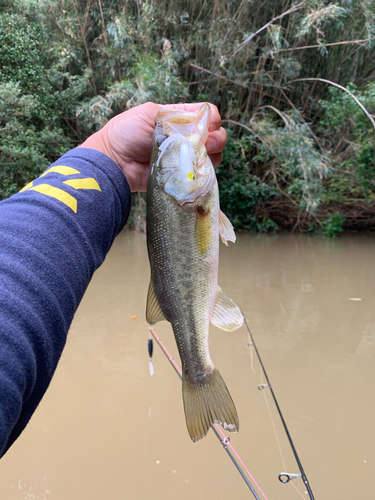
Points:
[(216, 159), (216, 141)]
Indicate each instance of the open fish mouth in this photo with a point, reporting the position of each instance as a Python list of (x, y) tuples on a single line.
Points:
[(183, 166)]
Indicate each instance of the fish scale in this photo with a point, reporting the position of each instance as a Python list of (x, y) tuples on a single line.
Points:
[(183, 220), (183, 297)]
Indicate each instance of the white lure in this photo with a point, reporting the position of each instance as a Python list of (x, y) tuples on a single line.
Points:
[(188, 160)]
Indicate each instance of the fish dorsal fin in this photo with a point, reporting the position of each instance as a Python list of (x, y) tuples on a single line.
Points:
[(153, 309), (227, 315), (226, 230)]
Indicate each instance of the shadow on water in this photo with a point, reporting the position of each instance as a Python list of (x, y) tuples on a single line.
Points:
[(106, 429)]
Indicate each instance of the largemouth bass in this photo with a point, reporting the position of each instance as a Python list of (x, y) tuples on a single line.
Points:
[(183, 226)]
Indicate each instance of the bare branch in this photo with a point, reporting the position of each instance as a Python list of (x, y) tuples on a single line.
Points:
[(221, 77), (346, 42), (103, 24), (218, 76), (245, 127), (342, 88)]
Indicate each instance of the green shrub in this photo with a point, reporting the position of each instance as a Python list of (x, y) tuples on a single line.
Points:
[(37, 96), (332, 226), (153, 78), (296, 166), (349, 133), (241, 192), (21, 143)]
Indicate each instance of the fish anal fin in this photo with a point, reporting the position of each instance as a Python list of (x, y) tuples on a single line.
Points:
[(226, 230), (206, 404), (226, 315), (153, 309)]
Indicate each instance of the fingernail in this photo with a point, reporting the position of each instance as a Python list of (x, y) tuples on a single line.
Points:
[(211, 144)]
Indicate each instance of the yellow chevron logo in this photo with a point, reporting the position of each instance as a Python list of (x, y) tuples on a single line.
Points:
[(88, 183), (61, 169), (60, 194)]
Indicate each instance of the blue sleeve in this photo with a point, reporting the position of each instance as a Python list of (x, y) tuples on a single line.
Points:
[(53, 235)]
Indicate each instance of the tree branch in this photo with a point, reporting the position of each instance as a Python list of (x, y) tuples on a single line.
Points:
[(342, 88), (245, 42), (323, 45)]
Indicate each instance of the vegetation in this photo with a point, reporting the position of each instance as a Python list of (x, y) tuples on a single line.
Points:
[(292, 81)]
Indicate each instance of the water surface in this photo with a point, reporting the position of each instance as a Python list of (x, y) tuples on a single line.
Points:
[(107, 430)]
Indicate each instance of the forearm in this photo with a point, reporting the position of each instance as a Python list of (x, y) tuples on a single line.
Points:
[(53, 236)]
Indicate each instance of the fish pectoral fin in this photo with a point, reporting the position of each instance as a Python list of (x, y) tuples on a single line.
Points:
[(206, 404), (153, 309), (227, 315), (226, 230)]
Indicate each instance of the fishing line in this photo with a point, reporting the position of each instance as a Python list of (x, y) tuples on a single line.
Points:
[(224, 440), (287, 478), (284, 477), (261, 385)]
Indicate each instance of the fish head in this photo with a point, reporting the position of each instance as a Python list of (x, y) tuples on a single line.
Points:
[(182, 166)]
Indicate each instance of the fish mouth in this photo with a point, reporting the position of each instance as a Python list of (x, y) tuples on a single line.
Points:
[(182, 165), (177, 121)]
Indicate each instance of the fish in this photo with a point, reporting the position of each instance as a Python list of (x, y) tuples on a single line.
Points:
[(184, 222)]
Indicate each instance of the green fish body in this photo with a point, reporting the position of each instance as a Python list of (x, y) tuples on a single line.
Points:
[(183, 226)]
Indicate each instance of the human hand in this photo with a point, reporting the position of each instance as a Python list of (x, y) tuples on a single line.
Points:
[(127, 139)]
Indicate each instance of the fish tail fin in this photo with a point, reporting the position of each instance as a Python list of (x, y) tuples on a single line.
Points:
[(206, 404)]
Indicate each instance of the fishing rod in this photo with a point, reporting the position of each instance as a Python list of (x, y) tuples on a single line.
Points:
[(224, 440), (284, 477)]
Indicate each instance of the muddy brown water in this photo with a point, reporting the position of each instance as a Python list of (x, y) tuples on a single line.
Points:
[(107, 430)]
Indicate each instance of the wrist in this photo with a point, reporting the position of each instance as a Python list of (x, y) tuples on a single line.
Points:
[(95, 141)]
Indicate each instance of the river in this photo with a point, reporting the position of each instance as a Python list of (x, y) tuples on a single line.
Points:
[(106, 429)]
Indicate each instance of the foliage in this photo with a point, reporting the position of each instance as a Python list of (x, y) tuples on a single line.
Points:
[(332, 226), (319, 16), (150, 79), (36, 96), (296, 166), (348, 132), (19, 143), (298, 151), (240, 191)]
